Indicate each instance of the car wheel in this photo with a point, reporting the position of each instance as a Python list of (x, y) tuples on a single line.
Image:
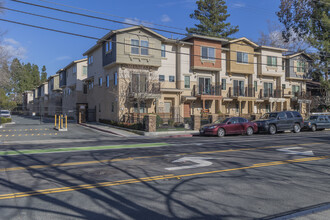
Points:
[(221, 132), (249, 131), (296, 128), (272, 129), (313, 128)]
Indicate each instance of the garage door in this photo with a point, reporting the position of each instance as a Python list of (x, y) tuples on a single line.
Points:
[(186, 110)]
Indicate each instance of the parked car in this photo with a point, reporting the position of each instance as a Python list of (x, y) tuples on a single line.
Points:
[(317, 122), (280, 121), (234, 125), (5, 114)]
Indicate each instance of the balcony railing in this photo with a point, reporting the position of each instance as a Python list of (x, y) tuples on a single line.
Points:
[(270, 93), (241, 92), (207, 90), (146, 88), (302, 95)]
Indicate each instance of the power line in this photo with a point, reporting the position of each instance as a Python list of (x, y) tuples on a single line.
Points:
[(116, 16), (94, 38)]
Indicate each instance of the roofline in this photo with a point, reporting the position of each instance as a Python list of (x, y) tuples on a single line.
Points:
[(273, 48), (297, 54), (204, 37), (244, 39), (70, 64)]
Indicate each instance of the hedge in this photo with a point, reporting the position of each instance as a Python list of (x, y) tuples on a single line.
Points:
[(5, 120)]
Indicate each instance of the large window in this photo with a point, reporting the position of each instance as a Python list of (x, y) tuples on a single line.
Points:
[(171, 79), (238, 88), (204, 86), (142, 108), (161, 78), (242, 57), (208, 53), (163, 51), (187, 82), (135, 47), (223, 84), (139, 83), (90, 59), (268, 89), (271, 61), (295, 89), (300, 67), (84, 70), (108, 46)]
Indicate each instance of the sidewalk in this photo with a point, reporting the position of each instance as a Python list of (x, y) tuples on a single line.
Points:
[(124, 132)]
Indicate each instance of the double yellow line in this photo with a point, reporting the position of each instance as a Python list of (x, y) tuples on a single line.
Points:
[(148, 179)]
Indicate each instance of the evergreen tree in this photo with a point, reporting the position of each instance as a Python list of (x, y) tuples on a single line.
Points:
[(43, 74), (212, 15), (35, 75)]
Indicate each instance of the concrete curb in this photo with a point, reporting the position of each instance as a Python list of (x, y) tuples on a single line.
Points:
[(103, 130)]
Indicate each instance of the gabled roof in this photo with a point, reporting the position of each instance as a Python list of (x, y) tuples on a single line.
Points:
[(105, 37), (204, 37), (245, 40), (291, 55), (70, 64), (273, 48)]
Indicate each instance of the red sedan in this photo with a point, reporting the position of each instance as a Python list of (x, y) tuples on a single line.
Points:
[(234, 125)]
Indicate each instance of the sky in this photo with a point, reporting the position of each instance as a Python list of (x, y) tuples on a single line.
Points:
[(56, 50)]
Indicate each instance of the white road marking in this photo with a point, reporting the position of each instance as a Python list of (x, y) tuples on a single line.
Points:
[(201, 162), (291, 150)]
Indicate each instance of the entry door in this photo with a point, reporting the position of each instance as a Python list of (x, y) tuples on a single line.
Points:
[(186, 110)]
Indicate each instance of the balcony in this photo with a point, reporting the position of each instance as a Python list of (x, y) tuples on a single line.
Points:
[(207, 91), (266, 94), (302, 95), (145, 90), (241, 92)]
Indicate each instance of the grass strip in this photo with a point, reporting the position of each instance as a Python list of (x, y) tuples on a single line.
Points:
[(53, 150)]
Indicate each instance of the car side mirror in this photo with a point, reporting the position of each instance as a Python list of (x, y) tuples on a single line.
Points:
[(228, 123)]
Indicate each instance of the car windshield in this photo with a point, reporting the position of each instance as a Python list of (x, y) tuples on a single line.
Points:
[(269, 116), (4, 112), (313, 118), (221, 121)]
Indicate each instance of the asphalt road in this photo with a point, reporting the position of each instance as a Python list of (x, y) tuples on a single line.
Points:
[(235, 177)]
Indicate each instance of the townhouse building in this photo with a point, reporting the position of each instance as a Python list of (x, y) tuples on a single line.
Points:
[(27, 105), (36, 95), (43, 99), (71, 82), (54, 95)]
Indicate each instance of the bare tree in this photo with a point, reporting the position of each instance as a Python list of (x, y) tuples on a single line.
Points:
[(274, 38)]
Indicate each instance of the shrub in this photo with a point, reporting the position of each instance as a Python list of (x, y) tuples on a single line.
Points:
[(170, 122), (159, 121), (5, 120), (178, 125)]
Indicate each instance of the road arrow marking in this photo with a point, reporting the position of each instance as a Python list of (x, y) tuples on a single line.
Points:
[(200, 162), (291, 150)]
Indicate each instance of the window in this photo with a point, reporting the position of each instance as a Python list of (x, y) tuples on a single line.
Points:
[(161, 78), (142, 108), (100, 81), (108, 46), (283, 65), (281, 116), (300, 67), (112, 106), (296, 115), (288, 115), (139, 83), (268, 89), (223, 84), (238, 88), (90, 59), (74, 69), (108, 81), (134, 46), (295, 89), (163, 51), (271, 61), (69, 91), (99, 107), (255, 86), (204, 86), (144, 47), (115, 79), (242, 57), (267, 108), (171, 78), (242, 120), (283, 86), (208, 53), (84, 70), (187, 82)]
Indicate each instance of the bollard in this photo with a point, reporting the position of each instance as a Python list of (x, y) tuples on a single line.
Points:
[(66, 122), (55, 121), (61, 121)]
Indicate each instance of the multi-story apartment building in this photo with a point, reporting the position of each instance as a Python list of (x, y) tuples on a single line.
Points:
[(43, 99), (27, 105), (36, 95), (54, 95), (72, 85)]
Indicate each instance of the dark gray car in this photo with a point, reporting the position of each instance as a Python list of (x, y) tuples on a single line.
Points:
[(317, 122), (273, 122)]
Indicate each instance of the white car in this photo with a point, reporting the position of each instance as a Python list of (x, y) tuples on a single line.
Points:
[(5, 114)]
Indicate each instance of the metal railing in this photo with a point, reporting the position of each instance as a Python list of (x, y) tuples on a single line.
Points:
[(146, 87), (243, 92), (207, 90)]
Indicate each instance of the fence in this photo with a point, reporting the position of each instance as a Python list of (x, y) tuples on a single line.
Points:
[(173, 124)]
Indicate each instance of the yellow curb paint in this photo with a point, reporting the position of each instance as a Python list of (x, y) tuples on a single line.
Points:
[(148, 179)]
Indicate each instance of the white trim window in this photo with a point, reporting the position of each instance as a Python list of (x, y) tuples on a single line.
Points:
[(271, 61), (100, 81), (163, 50), (161, 78), (242, 57), (90, 59), (144, 47), (187, 82), (171, 79), (135, 45), (208, 53)]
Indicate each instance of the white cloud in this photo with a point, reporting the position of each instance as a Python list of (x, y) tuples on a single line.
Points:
[(14, 48), (165, 18), (136, 21), (238, 5), (60, 58)]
